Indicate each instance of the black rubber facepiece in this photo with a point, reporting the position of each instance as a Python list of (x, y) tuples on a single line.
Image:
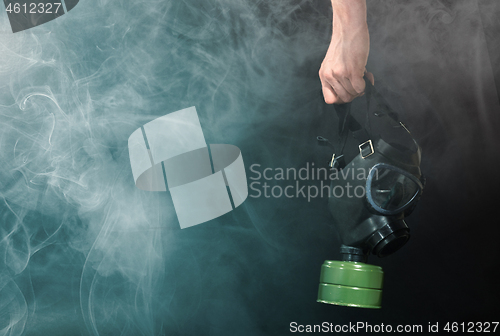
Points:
[(383, 171)]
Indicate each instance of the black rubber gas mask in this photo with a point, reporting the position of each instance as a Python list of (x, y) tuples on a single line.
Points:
[(370, 197)]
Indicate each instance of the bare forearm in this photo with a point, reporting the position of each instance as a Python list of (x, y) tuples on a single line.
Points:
[(348, 14), (342, 69)]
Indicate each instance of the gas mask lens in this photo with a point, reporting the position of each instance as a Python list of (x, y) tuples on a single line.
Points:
[(390, 190)]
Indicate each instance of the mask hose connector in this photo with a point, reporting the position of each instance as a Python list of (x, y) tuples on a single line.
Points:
[(353, 254), (389, 238)]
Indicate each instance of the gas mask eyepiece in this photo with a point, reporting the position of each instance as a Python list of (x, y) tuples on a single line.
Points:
[(391, 190), (371, 222)]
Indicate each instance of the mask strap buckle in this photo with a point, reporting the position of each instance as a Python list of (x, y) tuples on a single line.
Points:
[(337, 161), (366, 145)]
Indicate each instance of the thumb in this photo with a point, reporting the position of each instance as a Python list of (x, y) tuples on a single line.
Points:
[(370, 77), (358, 84)]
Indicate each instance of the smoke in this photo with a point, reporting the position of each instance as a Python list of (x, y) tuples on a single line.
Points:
[(83, 251), (435, 59), (82, 248)]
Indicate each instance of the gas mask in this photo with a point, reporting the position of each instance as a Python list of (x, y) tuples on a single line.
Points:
[(369, 200)]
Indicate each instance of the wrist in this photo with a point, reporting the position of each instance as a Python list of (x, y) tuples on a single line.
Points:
[(349, 15)]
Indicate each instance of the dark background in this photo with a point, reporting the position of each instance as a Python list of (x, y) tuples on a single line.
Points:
[(85, 252)]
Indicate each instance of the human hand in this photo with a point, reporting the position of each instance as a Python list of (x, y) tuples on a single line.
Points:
[(344, 65)]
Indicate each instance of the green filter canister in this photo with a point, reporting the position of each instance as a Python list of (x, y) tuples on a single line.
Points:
[(348, 283)]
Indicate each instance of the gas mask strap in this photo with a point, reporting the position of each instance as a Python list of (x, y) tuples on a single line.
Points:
[(385, 120), (348, 123)]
